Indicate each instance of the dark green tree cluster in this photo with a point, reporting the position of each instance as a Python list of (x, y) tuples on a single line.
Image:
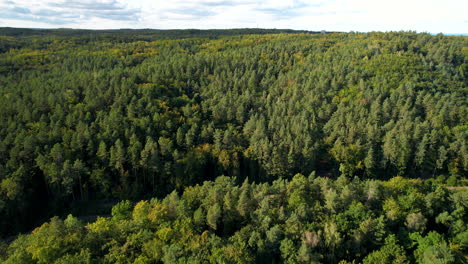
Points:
[(304, 220), (135, 117)]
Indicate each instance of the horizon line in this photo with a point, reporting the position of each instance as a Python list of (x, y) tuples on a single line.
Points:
[(252, 28)]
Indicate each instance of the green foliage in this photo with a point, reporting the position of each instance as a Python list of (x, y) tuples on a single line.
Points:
[(122, 211), (389, 253), (213, 216), (204, 225), (128, 115), (432, 248)]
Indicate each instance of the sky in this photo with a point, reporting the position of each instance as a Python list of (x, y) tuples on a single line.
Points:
[(433, 16)]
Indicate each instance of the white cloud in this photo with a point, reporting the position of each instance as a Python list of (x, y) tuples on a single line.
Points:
[(334, 15)]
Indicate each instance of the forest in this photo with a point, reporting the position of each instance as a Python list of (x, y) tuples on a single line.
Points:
[(202, 138)]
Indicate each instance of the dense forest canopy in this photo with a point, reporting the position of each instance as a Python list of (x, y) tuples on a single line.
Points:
[(40, 38), (136, 114), (304, 220)]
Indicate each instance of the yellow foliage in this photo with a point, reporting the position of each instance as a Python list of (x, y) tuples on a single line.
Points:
[(101, 225), (224, 159), (10, 187), (206, 148), (165, 234), (250, 152), (205, 236), (392, 209), (157, 213), (399, 184), (140, 212)]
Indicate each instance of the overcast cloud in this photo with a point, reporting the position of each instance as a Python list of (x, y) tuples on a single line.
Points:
[(334, 15)]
